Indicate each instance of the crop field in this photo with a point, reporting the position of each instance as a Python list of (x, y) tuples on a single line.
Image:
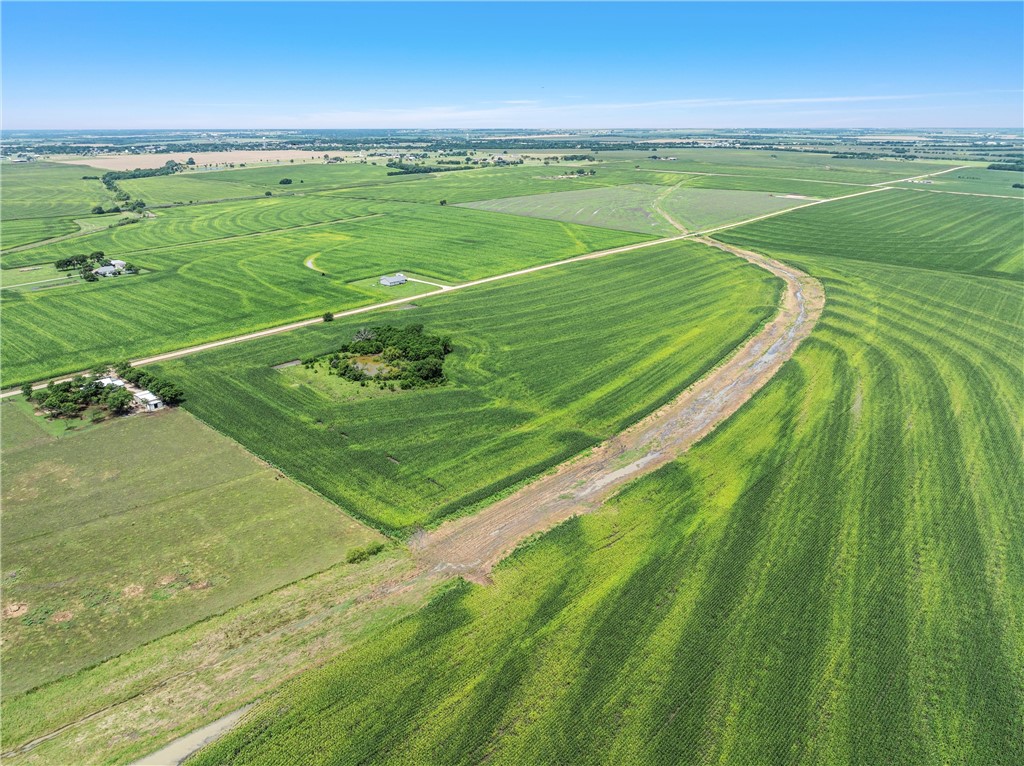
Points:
[(835, 576), (817, 189), (806, 166), (632, 208), (170, 228), (48, 190), (199, 186), (201, 292), (974, 181), (615, 207), (22, 231), (121, 532), (971, 235), (552, 372), (491, 183)]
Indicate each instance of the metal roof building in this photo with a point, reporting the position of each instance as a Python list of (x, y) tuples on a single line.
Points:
[(398, 279)]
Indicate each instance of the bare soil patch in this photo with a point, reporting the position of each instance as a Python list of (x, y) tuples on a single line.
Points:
[(472, 545), (133, 591), (15, 610), (63, 616)]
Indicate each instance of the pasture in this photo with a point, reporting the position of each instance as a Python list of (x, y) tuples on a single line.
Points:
[(968, 235), (118, 533), (834, 576), (544, 366), (204, 291)]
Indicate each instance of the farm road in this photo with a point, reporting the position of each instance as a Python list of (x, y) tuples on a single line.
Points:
[(452, 288), (472, 545)]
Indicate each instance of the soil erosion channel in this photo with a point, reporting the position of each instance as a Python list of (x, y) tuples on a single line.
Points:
[(472, 545)]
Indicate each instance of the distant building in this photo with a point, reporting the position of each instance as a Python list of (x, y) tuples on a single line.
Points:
[(106, 271), (398, 279), (149, 401), (118, 264), (111, 381)]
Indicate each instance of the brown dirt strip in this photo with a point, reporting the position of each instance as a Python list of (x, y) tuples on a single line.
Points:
[(471, 546)]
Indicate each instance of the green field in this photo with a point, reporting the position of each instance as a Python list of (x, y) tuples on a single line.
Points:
[(49, 189), (632, 208), (835, 576), (799, 165), (200, 186), (122, 532), (769, 184), (969, 235), (25, 230), (552, 372), (974, 181), (200, 292), (172, 227)]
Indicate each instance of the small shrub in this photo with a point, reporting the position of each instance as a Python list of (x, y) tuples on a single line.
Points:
[(357, 555)]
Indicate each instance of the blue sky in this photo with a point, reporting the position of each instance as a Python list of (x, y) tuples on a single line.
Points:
[(537, 65)]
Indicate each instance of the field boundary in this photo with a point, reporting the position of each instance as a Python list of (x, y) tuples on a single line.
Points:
[(274, 330)]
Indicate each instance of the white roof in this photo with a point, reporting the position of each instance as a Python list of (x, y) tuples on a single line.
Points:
[(147, 396), (119, 264), (110, 382)]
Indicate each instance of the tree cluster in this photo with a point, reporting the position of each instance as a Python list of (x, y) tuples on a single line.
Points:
[(410, 357), (169, 392), (70, 398), (404, 168), (1017, 165)]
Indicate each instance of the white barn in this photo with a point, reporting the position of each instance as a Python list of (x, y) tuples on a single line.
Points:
[(398, 279), (149, 401)]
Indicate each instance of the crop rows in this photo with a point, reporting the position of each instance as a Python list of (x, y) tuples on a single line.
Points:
[(970, 235), (835, 576), (196, 293), (551, 372)]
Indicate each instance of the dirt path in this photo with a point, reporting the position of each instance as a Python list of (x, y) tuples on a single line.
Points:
[(400, 301), (924, 175), (661, 211), (183, 747), (425, 282), (471, 546)]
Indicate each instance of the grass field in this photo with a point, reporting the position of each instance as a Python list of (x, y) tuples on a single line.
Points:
[(543, 378), (632, 208), (134, 528), (201, 292), (49, 189), (970, 235), (835, 576)]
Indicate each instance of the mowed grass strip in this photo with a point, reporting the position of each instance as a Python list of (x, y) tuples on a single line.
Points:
[(136, 527), (970, 235), (834, 576), (544, 366), (214, 290)]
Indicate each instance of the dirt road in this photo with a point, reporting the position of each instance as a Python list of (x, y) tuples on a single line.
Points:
[(471, 546)]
